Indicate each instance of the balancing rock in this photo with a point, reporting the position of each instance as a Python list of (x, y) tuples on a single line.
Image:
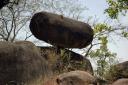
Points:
[(61, 31)]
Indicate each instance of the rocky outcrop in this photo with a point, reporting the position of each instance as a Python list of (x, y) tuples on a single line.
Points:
[(123, 81), (72, 78), (21, 64), (66, 61), (118, 71)]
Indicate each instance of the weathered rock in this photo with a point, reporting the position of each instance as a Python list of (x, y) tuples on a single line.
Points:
[(61, 31), (21, 63), (118, 71), (123, 81), (72, 78), (66, 61), (3, 3)]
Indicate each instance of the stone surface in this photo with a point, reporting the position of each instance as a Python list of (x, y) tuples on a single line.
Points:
[(118, 71), (61, 31), (123, 81), (72, 78), (66, 61), (21, 63)]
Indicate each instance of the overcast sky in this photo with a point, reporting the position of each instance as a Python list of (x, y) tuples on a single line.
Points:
[(96, 8)]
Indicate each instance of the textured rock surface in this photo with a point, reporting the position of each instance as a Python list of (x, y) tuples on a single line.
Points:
[(61, 31), (123, 81), (66, 61), (21, 63), (118, 71), (72, 78)]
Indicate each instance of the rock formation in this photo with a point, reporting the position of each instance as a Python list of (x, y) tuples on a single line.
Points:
[(21, 63), (66, 61), (61, 31)]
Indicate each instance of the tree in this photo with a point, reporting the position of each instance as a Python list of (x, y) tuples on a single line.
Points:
[(116, 7), (12, 21), (104, 59), (98, 51)]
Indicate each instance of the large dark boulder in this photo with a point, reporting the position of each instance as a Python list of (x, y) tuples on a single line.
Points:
[(66, 61), (21, 64), (61, 31)]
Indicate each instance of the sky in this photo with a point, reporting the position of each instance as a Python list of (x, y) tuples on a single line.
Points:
[(96, 9)]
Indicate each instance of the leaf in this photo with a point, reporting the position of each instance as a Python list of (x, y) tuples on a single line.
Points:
[(125, 34), (116, 7)]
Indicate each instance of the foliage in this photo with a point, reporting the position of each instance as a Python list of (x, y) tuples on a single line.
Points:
[(104, 59), (113, 73), (102, 33), (101, 55), (66, 63), (116, 7)]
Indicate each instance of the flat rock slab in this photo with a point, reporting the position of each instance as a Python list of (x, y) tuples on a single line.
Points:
[(61, 31)]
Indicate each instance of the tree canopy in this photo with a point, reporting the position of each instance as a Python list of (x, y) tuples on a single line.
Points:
[(117, 7)]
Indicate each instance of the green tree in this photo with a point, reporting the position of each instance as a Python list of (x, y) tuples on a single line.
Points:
[(101, 55), (116, 7), (104, 59), (98, 51)]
